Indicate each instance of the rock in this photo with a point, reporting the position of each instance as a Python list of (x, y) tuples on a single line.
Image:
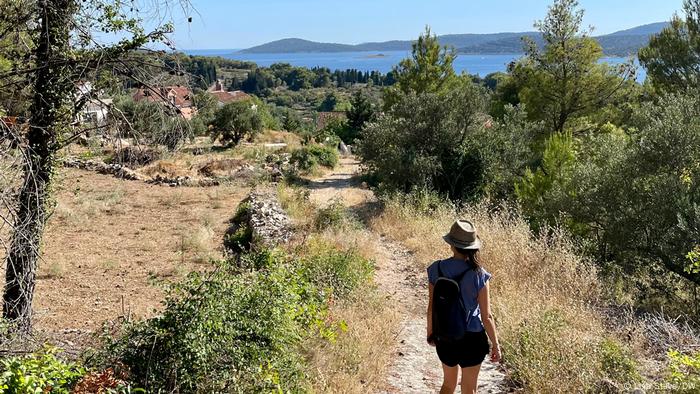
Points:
[(344, 149), (103, 168), (269, 224)]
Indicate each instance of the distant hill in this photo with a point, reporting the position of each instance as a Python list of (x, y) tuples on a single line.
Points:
[(621, 43), (295, 45), (292, 45), (644, 30)]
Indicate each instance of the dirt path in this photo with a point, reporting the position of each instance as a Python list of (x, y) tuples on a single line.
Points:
[(416, 368)]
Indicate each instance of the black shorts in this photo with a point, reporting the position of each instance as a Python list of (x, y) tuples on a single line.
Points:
[(467, 352)]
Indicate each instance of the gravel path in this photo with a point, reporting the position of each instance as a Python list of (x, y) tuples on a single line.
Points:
[(416, 368)]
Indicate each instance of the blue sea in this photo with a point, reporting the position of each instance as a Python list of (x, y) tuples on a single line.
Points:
[(376, 61)]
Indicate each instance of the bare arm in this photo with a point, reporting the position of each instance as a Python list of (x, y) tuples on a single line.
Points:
[(484, 299), (429, 318)]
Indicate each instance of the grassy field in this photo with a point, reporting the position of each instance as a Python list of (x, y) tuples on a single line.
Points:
[(110, 243)]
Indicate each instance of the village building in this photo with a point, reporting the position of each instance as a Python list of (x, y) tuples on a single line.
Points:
[(96, 107), (223, 96), (180, 97)]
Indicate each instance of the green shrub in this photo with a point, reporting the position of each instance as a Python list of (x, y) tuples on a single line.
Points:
[(618, 362), (339, 272), (239, 236), (309, 157), (229, 332), (239, 239), (239, 328), (684, 371), (235, 121), (332, 216), (39, 373), (424, 140)]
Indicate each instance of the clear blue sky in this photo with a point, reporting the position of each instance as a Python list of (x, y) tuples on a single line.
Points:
[(241, 24)]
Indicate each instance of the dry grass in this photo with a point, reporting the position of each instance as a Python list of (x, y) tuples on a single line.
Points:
[(542, 294), (197, 244), (110, 238), (292, 140), (169, 168), (357, 361)]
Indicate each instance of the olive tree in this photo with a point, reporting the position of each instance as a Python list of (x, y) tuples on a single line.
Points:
[(235, 121), (428, 140)]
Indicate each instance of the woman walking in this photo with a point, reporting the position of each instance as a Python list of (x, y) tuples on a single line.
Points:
[(460, 324)]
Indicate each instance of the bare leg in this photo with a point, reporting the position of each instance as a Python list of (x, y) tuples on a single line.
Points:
[(470, 376), (449, 382)]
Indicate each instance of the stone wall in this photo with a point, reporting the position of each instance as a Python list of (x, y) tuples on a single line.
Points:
[(263, 215)]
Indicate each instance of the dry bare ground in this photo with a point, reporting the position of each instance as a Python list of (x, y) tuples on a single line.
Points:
[(111, 243), (414, 367)]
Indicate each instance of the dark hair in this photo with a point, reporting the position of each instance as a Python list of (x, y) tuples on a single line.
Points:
[(473, 257)]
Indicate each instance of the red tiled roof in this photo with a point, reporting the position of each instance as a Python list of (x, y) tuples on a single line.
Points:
[(227, 97)]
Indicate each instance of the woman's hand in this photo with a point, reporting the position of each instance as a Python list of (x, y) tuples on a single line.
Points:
[(496, 353)]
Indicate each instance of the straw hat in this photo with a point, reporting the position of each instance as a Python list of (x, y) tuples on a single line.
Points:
[(463, 235)]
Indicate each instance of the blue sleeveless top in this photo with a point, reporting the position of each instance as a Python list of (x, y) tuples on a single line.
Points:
[(472, 282)]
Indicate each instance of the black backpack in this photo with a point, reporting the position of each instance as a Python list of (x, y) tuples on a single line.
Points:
[(450, 316)]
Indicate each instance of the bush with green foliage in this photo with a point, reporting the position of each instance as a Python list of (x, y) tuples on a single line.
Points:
[(336, 271), (684, 372), (361, 111), (309, 157), (291, 121), (239, 328), (541, 192), (335, 130), (239, 236), (206, 105), (329, 102), (429, 140), (151, 122), (235, 121), (334, 215), (39, 373)]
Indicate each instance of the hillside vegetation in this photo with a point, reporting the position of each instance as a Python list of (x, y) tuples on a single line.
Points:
[(130, 244)]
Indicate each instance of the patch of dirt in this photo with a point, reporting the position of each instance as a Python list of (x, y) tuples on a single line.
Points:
[(341, 183), (110, 243), (416, 367)]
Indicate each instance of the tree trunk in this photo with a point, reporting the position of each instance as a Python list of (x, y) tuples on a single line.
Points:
[(50, 118)]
